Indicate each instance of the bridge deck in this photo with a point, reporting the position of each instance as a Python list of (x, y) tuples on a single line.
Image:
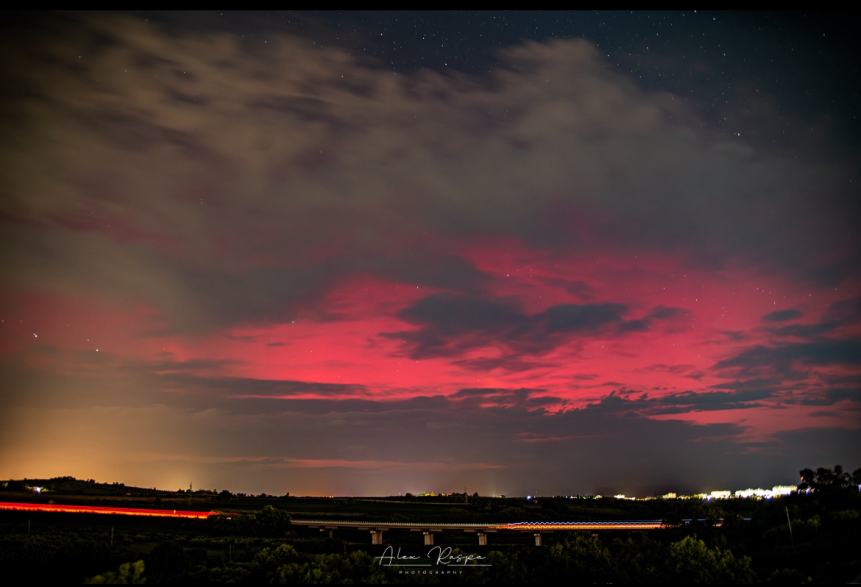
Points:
[(514, 526)]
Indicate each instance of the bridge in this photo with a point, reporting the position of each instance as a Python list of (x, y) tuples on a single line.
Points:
[(375, 528), (481, 530)]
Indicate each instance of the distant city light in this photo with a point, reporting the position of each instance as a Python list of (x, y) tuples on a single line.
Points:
[(718, 494), (776, 491)]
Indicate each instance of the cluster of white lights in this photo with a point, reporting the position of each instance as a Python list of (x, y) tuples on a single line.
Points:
[(776, 491), (623, 496)]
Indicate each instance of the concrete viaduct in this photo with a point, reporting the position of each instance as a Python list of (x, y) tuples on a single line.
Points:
[(428, 529)]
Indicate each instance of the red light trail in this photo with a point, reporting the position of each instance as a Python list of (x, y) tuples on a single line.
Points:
[(94, 509)]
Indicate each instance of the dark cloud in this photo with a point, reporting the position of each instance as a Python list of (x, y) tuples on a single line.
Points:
[(578, 288), (844, 312), (450, 324), (668, 313), (805, 331), (685, 402), (659, 313), (837, 394), (735, 335), (839, 314), (782, 315), (245, 386), (523, 398), (581, 318), (698, 401), (453, 315), (783, 357)]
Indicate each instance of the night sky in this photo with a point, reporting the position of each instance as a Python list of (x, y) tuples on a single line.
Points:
[(374, 253)]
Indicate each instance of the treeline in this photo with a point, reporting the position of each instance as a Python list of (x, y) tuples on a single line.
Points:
[(829, 481), (582, 559)]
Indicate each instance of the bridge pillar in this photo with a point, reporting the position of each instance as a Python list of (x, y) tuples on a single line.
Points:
[(428, 538), (482, 539), (376, 536), (537, 539)]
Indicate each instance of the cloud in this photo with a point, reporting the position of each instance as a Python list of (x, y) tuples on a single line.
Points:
[(581, 318), (837, 394), (450, 325), (246, 387), (659, 313), (685, 402), (838, 315), (782, 315), (527, 399), (844, 311), (227, 183), (783, 356)]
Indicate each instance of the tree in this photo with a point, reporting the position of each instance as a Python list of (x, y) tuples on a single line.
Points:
[(128, 574), (691, 561), (584, 559), (808, 479), (271, 521), (167, 560), (827, 480)]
